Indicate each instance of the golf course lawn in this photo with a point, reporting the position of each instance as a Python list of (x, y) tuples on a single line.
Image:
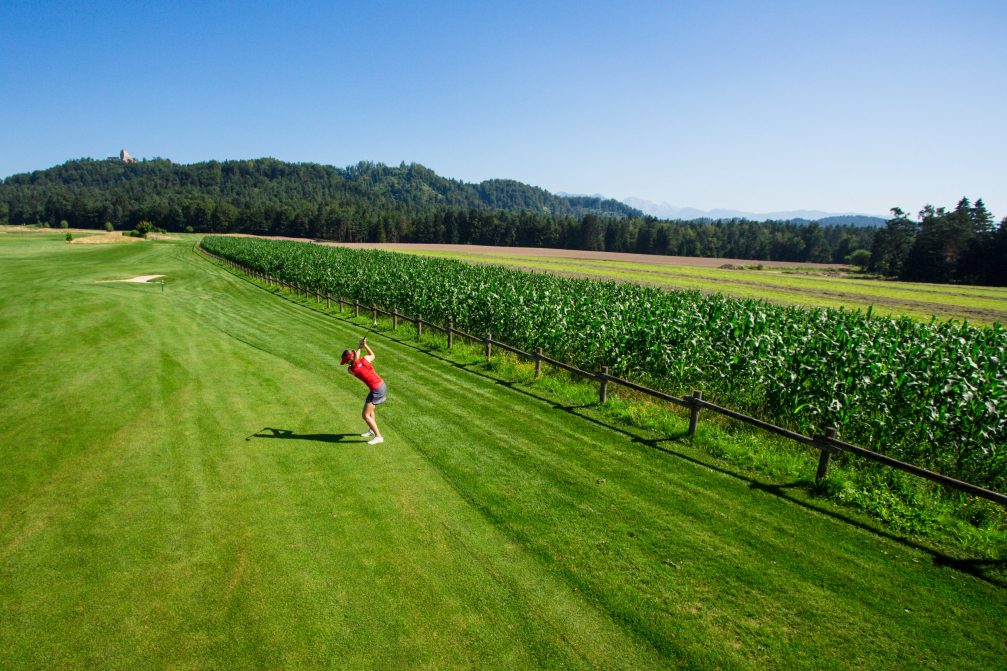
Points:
[(182, 485)]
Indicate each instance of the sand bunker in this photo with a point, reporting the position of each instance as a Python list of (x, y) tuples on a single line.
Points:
[(138, 278)]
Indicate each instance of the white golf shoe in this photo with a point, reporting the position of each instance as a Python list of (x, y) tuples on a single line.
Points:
[(368, 434), (376, 440)]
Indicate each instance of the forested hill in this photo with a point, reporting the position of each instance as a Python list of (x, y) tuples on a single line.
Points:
[(88, 193), (852, 220), (377, 203), (371, 202)]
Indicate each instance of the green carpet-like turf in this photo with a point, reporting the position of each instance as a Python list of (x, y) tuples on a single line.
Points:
[(182, 485)]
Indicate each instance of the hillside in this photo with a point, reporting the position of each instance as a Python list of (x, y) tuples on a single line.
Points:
[(87, 192), (371, 202), (853, 220)]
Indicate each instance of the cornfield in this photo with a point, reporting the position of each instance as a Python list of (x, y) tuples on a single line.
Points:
[(931, 394)]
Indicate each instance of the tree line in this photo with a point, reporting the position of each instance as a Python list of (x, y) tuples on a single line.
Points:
[(371, 202), (961, 246), (90, 192), (376, 203)]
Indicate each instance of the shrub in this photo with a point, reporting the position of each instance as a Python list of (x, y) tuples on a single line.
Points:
[(144, 228), (859, 257)]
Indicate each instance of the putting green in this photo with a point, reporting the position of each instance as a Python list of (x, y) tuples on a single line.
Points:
[(182, 485)]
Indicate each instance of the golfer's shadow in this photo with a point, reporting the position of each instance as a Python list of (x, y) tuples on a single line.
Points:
[(287, 434)]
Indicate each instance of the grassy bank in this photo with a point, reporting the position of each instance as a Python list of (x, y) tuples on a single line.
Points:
[(894, 501)]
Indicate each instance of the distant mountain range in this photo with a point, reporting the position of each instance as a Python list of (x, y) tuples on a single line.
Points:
[(666, 211)]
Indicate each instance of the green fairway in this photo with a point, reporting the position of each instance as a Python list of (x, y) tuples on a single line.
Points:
[(182, 485)]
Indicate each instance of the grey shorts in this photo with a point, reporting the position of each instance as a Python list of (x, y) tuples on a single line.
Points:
[(378, 396)]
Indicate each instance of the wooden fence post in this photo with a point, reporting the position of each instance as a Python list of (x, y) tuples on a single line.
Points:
[(823, 460), (374, 314), (318, 297), (451, 335), (489, 346), (356, 308), (419, 326), (603, 389), (697, 396), (328, 301), (395, 319), (538, 362)]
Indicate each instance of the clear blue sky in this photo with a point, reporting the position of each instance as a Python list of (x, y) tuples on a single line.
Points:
[(757, 106)]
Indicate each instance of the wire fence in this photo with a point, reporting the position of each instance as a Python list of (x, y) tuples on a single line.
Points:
[(827, 443)]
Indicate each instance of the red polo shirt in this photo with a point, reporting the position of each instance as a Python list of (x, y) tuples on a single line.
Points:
[(364, 371)]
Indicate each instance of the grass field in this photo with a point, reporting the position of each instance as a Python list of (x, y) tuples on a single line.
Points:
[(790, 284), (181, 486)]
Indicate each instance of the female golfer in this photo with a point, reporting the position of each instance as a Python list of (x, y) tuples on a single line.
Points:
[(361, 368)]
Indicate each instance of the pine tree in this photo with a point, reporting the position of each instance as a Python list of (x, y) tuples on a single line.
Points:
[(892, 244), (980, 217)]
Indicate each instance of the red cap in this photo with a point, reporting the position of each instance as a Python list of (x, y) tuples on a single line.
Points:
[(348, 357)]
